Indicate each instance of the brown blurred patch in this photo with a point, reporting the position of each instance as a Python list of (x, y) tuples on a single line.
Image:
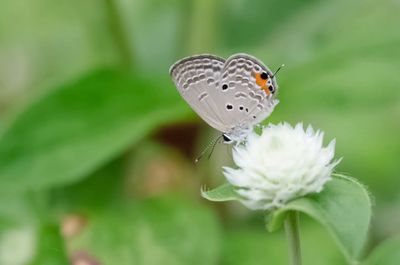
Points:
[(183, 137), (72, 225), (163, 174), (154, 168)]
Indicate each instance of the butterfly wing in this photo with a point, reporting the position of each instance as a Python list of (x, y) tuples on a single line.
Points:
[(245, 102), (224, 93), (195, 78)]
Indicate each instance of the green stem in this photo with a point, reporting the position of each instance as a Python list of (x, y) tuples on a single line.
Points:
[(293, 237), (118, 31)]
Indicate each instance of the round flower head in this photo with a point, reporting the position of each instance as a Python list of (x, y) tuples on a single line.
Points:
[(280, 164)]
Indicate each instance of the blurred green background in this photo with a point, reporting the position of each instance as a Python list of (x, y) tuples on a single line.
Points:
[(97, 147)]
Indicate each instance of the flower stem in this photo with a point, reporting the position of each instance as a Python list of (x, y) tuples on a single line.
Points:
[(293, 237)]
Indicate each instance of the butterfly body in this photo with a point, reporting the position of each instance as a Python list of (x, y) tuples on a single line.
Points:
[(231, 95)]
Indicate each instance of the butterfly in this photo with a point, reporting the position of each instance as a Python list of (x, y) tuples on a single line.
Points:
[(231, 95)]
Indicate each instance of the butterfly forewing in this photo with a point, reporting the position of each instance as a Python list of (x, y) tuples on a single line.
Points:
[(195, 78)]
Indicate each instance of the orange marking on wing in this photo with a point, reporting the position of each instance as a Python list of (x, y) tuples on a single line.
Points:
[(259, 81), (262, 83), (265, 88)]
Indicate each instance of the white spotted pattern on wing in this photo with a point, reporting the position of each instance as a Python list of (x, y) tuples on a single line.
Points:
[(250, 103)]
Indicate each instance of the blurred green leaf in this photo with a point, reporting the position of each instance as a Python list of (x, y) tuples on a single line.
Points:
[(343, 207), (72, 131), (15, 210), (50, 249), (387, 253), (157, 231), (225, 192), (84, 195)]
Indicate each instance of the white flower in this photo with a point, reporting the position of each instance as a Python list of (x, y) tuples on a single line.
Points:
[(281, 164)]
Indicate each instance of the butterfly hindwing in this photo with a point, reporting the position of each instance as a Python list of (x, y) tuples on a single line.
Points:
[(250, 103)]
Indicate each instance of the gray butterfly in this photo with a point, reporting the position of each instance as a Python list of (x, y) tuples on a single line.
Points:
[(231, 95)]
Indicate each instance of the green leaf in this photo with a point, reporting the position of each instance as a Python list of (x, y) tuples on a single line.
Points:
[(158, 231), (16, 210), (387, 253), (84, 195), (343, 207), (50, 249), (75, 129), (225, 192)]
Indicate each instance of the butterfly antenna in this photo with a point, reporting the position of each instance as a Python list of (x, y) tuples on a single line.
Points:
[(277, 70), (213, 147), (211, 144)]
